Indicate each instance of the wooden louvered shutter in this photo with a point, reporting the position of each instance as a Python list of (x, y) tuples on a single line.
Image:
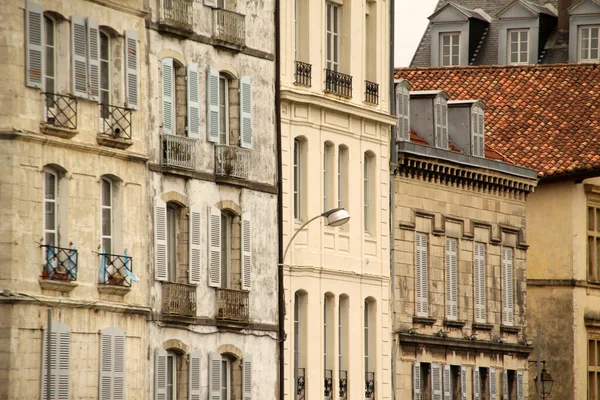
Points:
[(247, 377), (160, 374), (406, 112), (479, 283), (436, 382), (493, 384), (34, 42), (417, 381), (214, 376), (193, 101), (505, 392), (476, 384), (481, 133), (214, 247), (507, 286), (195, 257), (246, 112), (451, 279), (399, 98), (160, 240), (194, 375), (132, 99), (93, 37), (444, 112), (246, 246), (520, 386), (79, 68), (421, 280), (447, 382), (112, 364), (463, 383), (212, 105), (60, 363), (438, 123), (475, 135), (168, 108)]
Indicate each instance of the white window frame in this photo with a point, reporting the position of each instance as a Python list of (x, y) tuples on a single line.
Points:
[(477, 132), (55, 205), (519, 42), (588, 51), (298, 179), (454, 38), (224, 110), (104, 64), (49, 61), (173, 357), (325, 301), (326, 188), (225, 383), (332, 36), (110, 209)]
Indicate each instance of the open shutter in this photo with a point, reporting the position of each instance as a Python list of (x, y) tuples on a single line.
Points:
[(195, 258), (447, 382), (493, 384), (422, 275), (160, 374), (212, 105), (417, 381), (214, 247), (476, 384), (160, 240), (246, 112), (463, 383), (438, 122), (247, 377), (34, 42), (505, 385), (132, 99), (79, 69), (194, 378), (520, 386), (480, 303), (436, 382), (193, 101), (214, 376), (112, 364), (93, 36), (406, 111), (507, 286), (444, 112), (246, 251), (167, 97), (481, 133), (451, 279)]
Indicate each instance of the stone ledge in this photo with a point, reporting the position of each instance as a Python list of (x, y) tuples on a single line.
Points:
[(454, 324), (112, 289), (510, 329), (464, 344), (482, 327), (424, 320), (109, 141), (59, 286), (56, 131)]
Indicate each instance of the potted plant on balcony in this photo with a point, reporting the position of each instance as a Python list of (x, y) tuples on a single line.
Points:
[(61, 274), (229, 160)]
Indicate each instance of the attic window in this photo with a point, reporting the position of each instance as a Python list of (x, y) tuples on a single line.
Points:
[(441, 123), (403, 104), (477, 132), (518, 46), (588, 43), (449, 49)]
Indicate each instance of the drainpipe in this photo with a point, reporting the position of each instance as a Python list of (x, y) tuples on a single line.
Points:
[(393, 167)]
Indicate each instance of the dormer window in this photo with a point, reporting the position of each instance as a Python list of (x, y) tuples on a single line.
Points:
[(477, 132), (518, 46), (449, 49), (403, 110), (441, 123), (588, 43)]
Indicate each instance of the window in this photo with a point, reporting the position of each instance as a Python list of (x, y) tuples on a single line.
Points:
[(172, 216), (60, 362), (226, 255), (370, 337), (477, 132), (441, 122), (328, 177), (343, 344), (107, 216), (479, 283), (451, 278), (518, 46), (371, 41), (422, 380), (50, 60), (328, 352), (104, 75), (225, 379), (300, 334), (332, 36), (588, 43), (51, 232), (402, 111), (299, 179), (449, 49), (342, 177), (112, 363), (594, 368), (421, 275), (368, 192), (366, 336), (508, 306), (593, 234), (223, 110), (509, 385), (171, 376)]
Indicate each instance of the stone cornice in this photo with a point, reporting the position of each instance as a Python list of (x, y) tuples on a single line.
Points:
[(464, 345), (319, 271)]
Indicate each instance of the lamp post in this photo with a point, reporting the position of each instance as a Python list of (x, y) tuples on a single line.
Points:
[(544, 382)]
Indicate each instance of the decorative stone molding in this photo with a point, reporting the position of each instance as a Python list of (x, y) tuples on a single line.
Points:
[(59, 286), (177, 345), (112, 289), (424, 320), (231, 350)]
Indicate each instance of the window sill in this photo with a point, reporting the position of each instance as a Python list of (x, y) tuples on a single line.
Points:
[(482, 326), (112, 289), (64, 287), (52, 130), (510, 329), (109, 141), (454, 323), (423, 320)]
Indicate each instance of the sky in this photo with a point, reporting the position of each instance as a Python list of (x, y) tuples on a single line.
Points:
[(411, 21)]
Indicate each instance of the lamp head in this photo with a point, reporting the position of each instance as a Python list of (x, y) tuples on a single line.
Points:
[(336, 216)]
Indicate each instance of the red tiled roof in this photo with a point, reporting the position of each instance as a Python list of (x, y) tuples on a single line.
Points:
[(543, 117), (415, 138)]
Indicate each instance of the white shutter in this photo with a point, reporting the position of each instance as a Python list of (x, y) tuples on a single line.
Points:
[(417, 381), (451, 279), (438, 123), (246, 251), (406, 105), (93, 37), (210, 3), (463, 383), (195, 258), (194, 375), (214, 247), (168, 107), (520, 386), (193, 101), (475, 135), (481, 133), (247, 377), (505, 395), (212, 105), (444, 111), (480, 301), (399, 97), (160, 374), (476, 384), (160, 240), (60, 362), (112, 364), (214, 376), (421, 278), (34, 42), (447, 382), (493, 383), (79, 69), (507, 286), (436, 382), (132, 99), (246, 112)]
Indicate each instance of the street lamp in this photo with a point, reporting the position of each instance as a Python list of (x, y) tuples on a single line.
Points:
[(543, 382)]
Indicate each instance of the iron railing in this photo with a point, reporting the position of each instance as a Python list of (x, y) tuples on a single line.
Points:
[(60, 264), (178, 299), (328, 385), (300, 383), (343, 385), (177, 13), (303, 73), (115, 269), (232, 161), (116, 121), (229, 26), (178, 151), (232, 305), (369, 385), (338, 83), (60, 110), (371, 92)]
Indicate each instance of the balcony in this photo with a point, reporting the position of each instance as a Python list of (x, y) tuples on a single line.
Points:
[(232, 161), (303, 73), (338, 83), (229, 27), (60, 111), (60, 264), (115, 126), (343, 385), (370, 385), (178, 299), (328, 385), (176, 17), (300, 384), (371, 92), (115, 270), (232, 305), (178, 151)]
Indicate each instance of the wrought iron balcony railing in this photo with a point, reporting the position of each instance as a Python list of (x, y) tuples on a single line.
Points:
[(115, 121), (370, 385), (60, 110), (229, 26), (371, 92), (303, 73), (115, 269), (232, 305), (338, 83), (232, 161), (328, 385), (177, 13), (300, 383), (343, 385), (178, 151), (60, 264), (178, 299)]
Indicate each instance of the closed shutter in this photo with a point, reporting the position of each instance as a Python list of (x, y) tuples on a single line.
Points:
[(479, 283), (79, 69), (444, 112), (194, 375), (481, 133), (475, 136), (246, 251), (399, 98), (34, 42), (505, 392), (93, 36), (451, 279), (493, 383), (60, 362), (417, 381), (247, 377), (476, 384), (507, 286), (160, 374), (447, 382), (195, 258), (214, 376), (193, 101), (214, 247), (422, 275), (463, 383), (246, 112), (132, 99), (112, 364), (212, 105), (406, 112), (438, 123), (520, 386), (436, 382), (167, 97), (160, 240)]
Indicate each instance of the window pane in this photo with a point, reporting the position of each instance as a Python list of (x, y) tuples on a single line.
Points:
[(591, 258), (49, 31), (597, 259), (592, 385), (50, 239), (335, 20), (106, 193), (50, 185), (104, 46), (225, 229), (50, 215), (49, 70), (106, 222), (591, 219), (455, 58), (107, 245)]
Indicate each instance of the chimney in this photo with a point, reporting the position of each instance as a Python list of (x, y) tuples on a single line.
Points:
[(563, 14)]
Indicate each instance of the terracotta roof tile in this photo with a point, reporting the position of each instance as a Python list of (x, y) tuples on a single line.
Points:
[(415, 138)]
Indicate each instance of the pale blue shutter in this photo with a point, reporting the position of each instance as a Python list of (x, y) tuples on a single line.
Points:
[(212, 105), (214, 376), (194, 375), (93, 36), (34, 42), (246, 112), (160, 240), (246, 246), (214, 247), (436, 382), (447, 383), (247, 377), (195, 258), (112, 364), (168, 108), (160, 374), (193, 101), (79, 69), (131, 70), (417, 381)]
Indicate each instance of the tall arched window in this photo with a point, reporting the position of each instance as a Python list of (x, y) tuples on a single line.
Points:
[(51, 208), (343, 349), (328, 177), (49, 58), (369, 192), (104, 75), (299, 178), (107, 215), (300, 307), (370, 356)]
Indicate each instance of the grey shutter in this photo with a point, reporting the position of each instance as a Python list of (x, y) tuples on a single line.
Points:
[(399, 98), (160, 374), (246, 246), (505, 395), (93, 37), (493, 383), (167, 97), (507, 286), (451, 279), (193, 101), (195, 257), (246, 112), (421, 280), (132, 99), (436, 382), (160, 240), (447, 383), (475, 136), (194, 375), (210, 3), (463, 383), (438, 122), (480, 302), (214, 247), (112, 364), (34, 42), (476, 384), (212, 105), (406, 110), (520, 386), (481, 133), (247, 377), (60, 363), (417, 381), (79, 69), (214, 376), (444, 111)]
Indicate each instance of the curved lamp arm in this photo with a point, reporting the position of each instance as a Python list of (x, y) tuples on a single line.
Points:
[(296, 233)]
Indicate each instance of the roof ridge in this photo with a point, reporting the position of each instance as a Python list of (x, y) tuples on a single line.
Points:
[(496, 67)]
